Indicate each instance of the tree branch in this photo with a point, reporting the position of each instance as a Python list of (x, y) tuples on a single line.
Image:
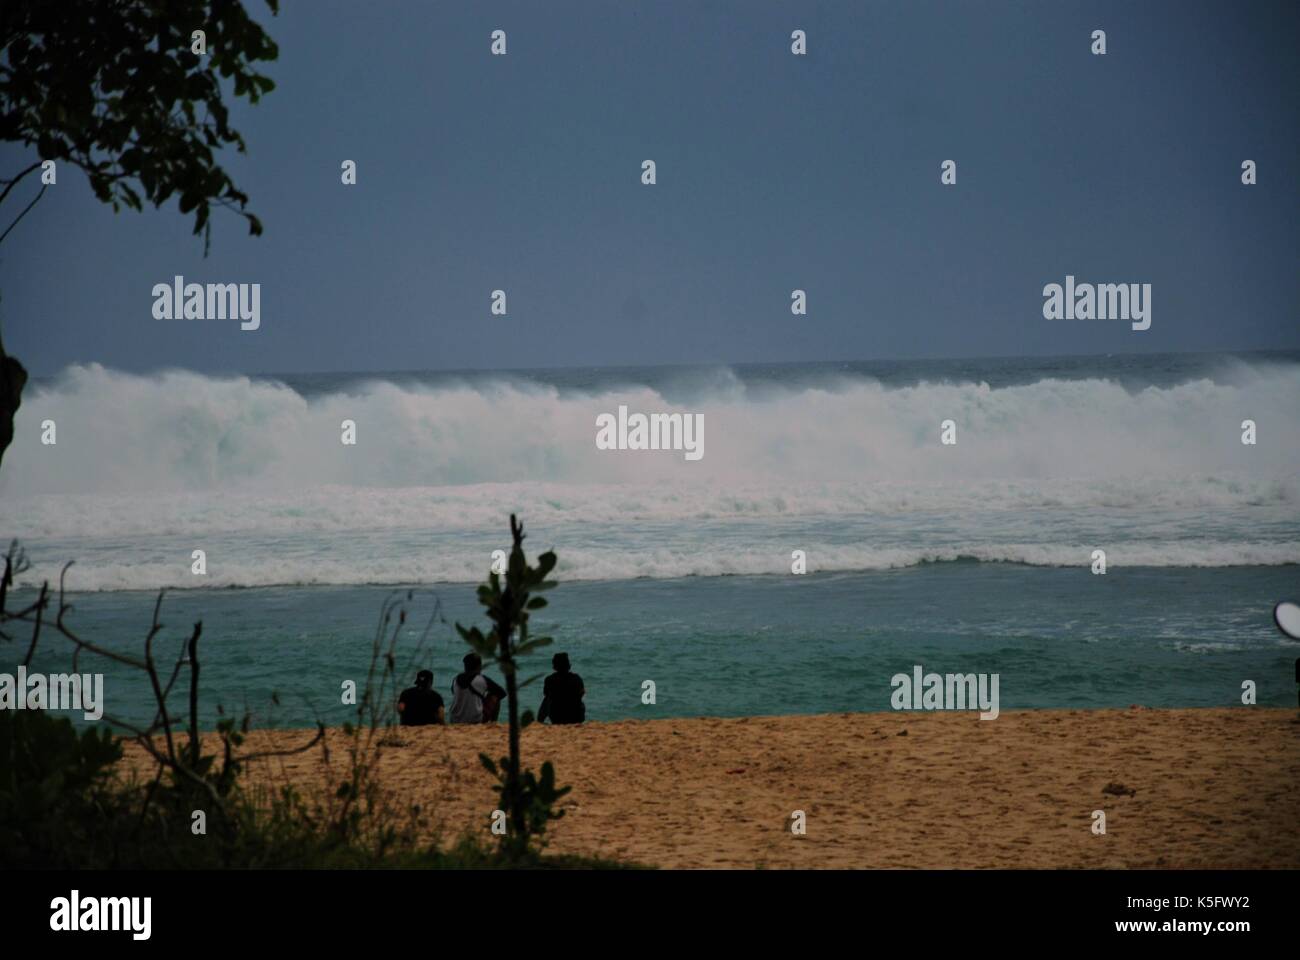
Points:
[(24, 213), (11, 183)]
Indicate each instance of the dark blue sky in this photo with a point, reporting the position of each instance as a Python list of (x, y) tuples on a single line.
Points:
[(775, 172)]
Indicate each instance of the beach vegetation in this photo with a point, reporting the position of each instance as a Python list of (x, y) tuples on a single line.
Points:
[(529, 799), (67, 800)]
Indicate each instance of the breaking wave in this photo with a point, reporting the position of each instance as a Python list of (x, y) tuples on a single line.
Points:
[(848, 469)]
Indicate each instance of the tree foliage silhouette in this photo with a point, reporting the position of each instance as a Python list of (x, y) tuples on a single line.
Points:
[(528, 800), (115, 89)]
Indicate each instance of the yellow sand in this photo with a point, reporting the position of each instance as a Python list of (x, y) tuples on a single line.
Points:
[(1214, 788)]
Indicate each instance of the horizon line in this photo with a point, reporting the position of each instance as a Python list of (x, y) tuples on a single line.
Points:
[(556, 368)]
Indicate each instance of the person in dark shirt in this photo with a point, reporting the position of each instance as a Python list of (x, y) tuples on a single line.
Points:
[(421, 704), (562, 694)]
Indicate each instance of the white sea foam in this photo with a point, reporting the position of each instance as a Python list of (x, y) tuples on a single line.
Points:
[(119, 433), (335, 564), (849, 470), (338, 509)]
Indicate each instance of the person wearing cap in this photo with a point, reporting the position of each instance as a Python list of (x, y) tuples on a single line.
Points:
[(562, 694), (421, 704)]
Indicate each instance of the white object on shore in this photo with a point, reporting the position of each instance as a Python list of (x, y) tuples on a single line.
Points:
[(1287, 617)]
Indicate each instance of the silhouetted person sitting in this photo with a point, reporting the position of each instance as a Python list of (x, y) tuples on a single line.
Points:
[(475, 698), (562, 694), (420, 704)]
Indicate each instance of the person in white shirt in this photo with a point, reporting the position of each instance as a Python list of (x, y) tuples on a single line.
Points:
[(475, 698)]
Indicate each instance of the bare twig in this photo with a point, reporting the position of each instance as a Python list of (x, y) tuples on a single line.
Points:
[(194, 694), (10, 184), (36, 630), (24, 213)]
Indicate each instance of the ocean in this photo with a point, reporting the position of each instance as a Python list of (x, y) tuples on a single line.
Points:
[(975, 556)]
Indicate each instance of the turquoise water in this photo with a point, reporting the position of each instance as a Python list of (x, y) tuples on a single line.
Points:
[(971, 557), (734, 646)]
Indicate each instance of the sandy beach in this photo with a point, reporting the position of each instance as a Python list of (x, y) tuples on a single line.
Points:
[(1210, 788)]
